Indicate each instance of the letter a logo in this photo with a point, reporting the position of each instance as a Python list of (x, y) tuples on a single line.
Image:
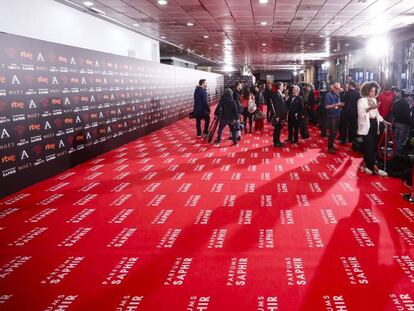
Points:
[(55, 80), (4, 134), (47, 125), (32, 104), (40, 58), (61, 144), (24, 155), (15, 80)]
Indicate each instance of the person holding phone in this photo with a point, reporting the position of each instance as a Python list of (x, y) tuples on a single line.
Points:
[(369, 119)]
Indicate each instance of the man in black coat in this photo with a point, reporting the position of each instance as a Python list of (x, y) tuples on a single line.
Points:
[(278, 113), (267, 95), (296, 115), (401, 111), (349, 122), (227, 112), (237, 95), (201, 108)]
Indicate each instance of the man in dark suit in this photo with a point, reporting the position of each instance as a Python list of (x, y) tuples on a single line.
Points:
[(201, 108), (349, 125), (278, 113)]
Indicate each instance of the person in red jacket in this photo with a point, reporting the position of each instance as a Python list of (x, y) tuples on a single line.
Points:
[(385, 101)]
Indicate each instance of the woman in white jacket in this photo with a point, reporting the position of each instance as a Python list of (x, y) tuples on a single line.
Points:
[(368, 126)]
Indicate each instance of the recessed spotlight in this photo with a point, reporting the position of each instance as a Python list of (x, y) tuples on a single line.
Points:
[(321, 36), (346, 44), (205, 37), (263, 50), (135, 25), (264, 23), (88, 3), (263, 1), (181, 44), (162, 2), (216, 44), (162, 37), (190, 24), (264, 44), (335, 50), (312, 44)]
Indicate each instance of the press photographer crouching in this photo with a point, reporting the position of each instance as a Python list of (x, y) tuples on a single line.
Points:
[(228, 114)]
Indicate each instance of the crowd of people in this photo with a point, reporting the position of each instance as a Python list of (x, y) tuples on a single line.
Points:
[(341, 113)]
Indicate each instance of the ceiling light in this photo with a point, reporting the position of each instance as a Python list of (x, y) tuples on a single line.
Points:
[(264, 23), (264, 44), (312, 44), (190, 24), (162, 37), (205, 37), (321, 36), (88, 3), (335, 50), (216, 44), (346, 44), (263, 1), (263, 50), (135, 25), (375, 42), (162, 2)]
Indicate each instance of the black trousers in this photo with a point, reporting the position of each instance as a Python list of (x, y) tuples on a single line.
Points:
[(277, 129), (247, 116), (322, 120), (206, 119), (268, 112), (348, 127), (293, 130), (333, 124), (222, 125), (370, 144)]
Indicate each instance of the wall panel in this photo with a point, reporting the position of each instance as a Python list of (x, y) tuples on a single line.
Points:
[(61, 105)]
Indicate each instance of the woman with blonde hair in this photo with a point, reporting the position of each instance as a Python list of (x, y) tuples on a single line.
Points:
[(368, 126)]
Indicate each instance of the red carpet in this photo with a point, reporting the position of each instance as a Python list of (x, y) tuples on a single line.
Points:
[(169, 222)]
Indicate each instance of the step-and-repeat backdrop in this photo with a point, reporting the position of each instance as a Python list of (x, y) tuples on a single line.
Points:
[(61, 105)]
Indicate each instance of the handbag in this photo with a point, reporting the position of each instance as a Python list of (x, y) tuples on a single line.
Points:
[(259, 115), (251, 106)]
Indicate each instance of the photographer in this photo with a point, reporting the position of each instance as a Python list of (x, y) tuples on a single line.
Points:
[(228, 114)]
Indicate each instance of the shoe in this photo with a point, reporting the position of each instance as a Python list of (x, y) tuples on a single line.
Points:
[(366, 170), (198, 136), (342, 142), (204, 135), (235, 144), (216, 142), (279, 145), (324, 136), (381, 173), (238, 138), (295, 142), (331, 151)]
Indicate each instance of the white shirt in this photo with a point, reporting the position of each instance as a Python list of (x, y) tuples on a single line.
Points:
[(364, 116)]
